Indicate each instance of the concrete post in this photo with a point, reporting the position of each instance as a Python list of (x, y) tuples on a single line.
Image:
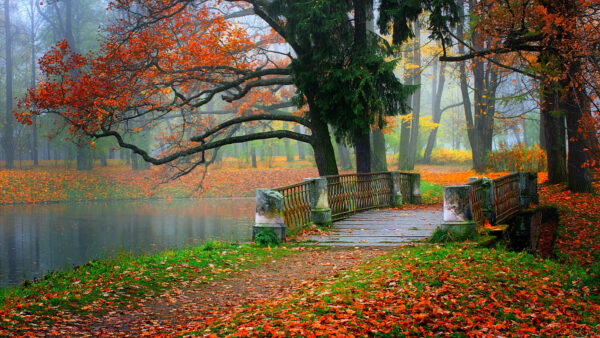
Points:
[(458, 209), (528, 189), (415, 187), (320, 213), (269, 213), (396, 198)]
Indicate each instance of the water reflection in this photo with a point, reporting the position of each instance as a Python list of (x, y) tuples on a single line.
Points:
[(38, 238)]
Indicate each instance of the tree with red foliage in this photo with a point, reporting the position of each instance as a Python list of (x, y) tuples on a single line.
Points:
[(163, 64)]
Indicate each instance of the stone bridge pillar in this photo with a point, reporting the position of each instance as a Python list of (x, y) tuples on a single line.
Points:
[(269, 213), (458, 212), (528, 189), (396, 198), (415, 187), (320, 213)]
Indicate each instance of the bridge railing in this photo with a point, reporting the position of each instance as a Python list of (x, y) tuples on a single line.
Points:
[(494, 201), (296, 204), (325, 199), (476, 202), (506, 190), (352, 193)]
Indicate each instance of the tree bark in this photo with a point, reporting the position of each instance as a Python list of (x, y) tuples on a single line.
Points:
[(405, 124), (578, 167), (416, 103), (7, 135), (321, 142), (362, 150), (378, 159), (344, 155), (362, 138), (437, 113)]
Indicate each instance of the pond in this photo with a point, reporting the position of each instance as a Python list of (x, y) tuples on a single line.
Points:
[(35, 239)]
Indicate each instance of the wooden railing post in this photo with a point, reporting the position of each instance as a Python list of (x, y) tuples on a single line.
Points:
[(458, 212), (269, 213), (320, 212), (396, 184)]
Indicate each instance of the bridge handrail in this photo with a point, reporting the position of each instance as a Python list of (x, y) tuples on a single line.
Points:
[(296, 204), (350, 193), (476, 203), (493, 200), (347, 194), (506, 197)]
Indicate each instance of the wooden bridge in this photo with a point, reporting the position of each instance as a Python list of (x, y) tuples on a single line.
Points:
[(368, 208)]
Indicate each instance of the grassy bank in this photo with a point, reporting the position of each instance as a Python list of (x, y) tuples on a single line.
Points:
[(449, 290), (121, 282)]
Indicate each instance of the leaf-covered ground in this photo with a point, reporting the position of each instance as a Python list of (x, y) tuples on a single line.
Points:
[(191, 286), (43, 185), (428, 290), (578, 238), (107, 286)]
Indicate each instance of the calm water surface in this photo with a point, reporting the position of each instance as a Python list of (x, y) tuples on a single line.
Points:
[(35, 239)]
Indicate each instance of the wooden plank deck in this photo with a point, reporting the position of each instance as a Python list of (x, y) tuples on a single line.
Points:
[(382, 228)]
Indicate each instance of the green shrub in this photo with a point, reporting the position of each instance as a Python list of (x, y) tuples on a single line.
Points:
[(446, 235), (266, 237)]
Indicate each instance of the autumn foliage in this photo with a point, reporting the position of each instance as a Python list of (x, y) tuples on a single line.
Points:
[(518, 158), (120, 182), (578, 239), (427, 291), (143, 72)]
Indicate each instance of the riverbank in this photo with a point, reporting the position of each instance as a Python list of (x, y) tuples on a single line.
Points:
[(102, 287), (226, 289)]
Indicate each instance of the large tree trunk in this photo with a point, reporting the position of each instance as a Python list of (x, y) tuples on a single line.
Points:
[(362, 138), (344, 155), (416, 103), (321, 142), (7, 135), (552, 122), (578, 166), (378, 158), (362, 149), (478, 149), (485, 84), (405, 124), (437, 113)]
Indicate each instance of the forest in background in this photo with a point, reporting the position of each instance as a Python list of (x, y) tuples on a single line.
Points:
[(434, 131)]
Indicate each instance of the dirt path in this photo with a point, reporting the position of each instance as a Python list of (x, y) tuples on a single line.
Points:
[(182, 309)]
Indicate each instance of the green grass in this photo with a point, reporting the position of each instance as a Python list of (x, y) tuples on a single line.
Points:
[(448, 236), (446, 290), (120, 282), (431, 193)]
